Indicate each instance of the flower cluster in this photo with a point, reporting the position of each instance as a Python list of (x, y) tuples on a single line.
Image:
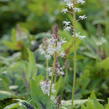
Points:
[(81, 1), (50, 46), (71, 7), (59, 70), (45, 87)]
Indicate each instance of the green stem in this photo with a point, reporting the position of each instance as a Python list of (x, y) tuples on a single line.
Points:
[(75, 56), (74, 75), (46, 69), (53, 74), (103, 4), (106, 17)]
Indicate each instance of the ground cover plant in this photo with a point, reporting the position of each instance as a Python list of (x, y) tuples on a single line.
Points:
[(54, 54)]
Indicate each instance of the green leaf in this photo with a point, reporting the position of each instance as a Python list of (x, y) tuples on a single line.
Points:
[(40, 99), (5, 95), (31, 67), (104, 64), (14, 106), (13, 36), (60, 85)]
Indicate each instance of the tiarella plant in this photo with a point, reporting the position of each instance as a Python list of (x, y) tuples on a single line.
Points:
[(71, 8), (56, 69), (52, 48)]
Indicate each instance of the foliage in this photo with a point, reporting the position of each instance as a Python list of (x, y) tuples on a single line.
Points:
[(25, 26)]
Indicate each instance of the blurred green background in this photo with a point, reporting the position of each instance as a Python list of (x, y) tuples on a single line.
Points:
[(34, 19)]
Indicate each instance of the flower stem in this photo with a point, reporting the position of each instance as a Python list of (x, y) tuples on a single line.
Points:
[(75, 55), (53, 74), (74, 75), (46, 69)]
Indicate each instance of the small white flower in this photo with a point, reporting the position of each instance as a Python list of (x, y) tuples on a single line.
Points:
[(59, 70), (67, 28), (62, 54), (66, 23), (45, 87), (65, 10), (83, 17), (82, 37), (67, 1), (47, 57), (62, 73), (63, 41), (41, 50), (69, 5), (101, 41), (49, 71), (81, 1), (77, 9), (79, 36), (53, 99)]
